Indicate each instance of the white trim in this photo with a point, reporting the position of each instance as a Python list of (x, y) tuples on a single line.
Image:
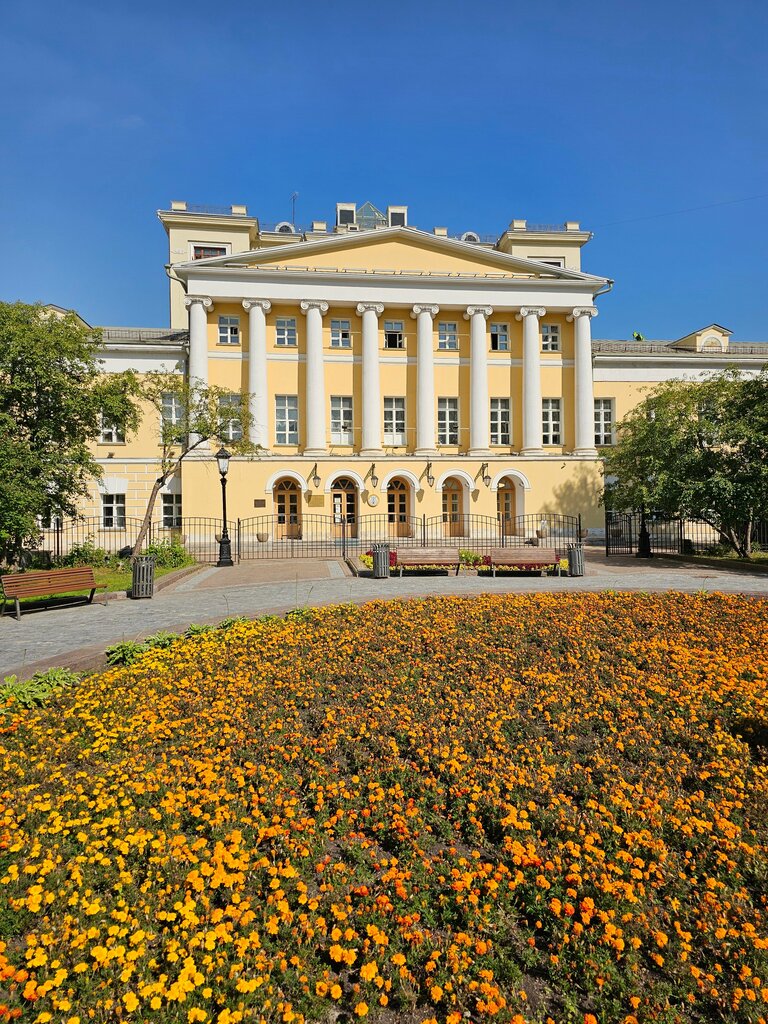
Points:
[(172, 486), (292, 475), (113, 485), (210, 245), (406, 474), (460, 474), (520, 479), (335, 474)]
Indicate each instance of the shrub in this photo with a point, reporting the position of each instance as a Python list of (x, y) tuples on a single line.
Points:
[(37, 690), (170, 554), (87, 554)]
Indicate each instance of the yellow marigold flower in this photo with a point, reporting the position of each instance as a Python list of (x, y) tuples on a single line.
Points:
[(369, 971), (436, 993), (335, 991), (130, 1001), (361, 1009)]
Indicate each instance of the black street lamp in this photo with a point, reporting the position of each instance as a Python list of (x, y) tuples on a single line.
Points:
[(225, 545), (644, 540)]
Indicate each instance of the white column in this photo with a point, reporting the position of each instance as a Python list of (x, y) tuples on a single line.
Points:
[(371, 443), (532, 432), (425, 380), (479, 405), (257, 310), (584, 381), (316, 444), (198, 306)]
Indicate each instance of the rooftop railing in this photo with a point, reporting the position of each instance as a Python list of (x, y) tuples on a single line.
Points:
[(137, 335), (741, 348)]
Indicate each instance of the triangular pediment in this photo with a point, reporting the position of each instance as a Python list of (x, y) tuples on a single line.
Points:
[(399, 250)]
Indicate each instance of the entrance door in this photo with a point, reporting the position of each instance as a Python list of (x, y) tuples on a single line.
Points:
[(506, 508), (453, 520), (287, 510), (344, 504), (397, 508)]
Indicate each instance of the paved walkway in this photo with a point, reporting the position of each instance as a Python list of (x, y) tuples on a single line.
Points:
[(77, 635)]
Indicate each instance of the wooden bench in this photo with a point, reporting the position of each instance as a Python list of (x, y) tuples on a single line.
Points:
[(525, 558), (438, 557), (47, 583)]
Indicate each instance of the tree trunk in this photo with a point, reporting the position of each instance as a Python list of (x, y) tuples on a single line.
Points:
[(147, 516)]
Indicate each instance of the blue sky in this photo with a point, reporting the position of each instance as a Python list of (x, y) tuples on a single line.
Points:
[(615, 114)]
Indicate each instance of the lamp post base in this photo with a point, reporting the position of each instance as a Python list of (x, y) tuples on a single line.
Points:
[(225, 553)]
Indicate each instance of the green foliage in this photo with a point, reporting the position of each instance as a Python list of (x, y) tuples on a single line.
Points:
[(470, 558), (125, 652), (169, 554), (88, 553), (697, 449), (38, 690), (52, 395), (193, 629)]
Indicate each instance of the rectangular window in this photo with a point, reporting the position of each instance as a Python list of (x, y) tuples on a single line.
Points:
[(110, 431), (171, 410), (394, 421), (207, 252), (286, 419), (286, 330), (550, 421), (341, 334), (550, 337), (500, 421), (341, 419), (603, 421), (393, 334), (447, 421), (230, 425), (113, 511), (499, 338), (171, 511), (229, 330), (447, 335)]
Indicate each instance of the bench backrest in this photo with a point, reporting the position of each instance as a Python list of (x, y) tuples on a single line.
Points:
[(449, 556), (50, 581), (524, 556)]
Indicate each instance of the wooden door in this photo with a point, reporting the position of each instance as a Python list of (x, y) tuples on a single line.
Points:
[(287, 511), (453, 520), (397, 508), (506, 508)]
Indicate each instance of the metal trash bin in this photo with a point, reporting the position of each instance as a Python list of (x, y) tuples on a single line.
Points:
[(575, 559), (380, 561), (143, 584)]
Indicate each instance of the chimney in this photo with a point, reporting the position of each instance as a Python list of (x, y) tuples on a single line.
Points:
[(441, 232), (178, 204), (238, 210)]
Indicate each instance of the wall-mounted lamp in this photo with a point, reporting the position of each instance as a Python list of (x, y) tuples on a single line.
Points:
[(430, 478), (315, 477), (485, 474), (374, 478)]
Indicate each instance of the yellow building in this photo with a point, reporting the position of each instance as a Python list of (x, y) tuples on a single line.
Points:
[(391, 372)]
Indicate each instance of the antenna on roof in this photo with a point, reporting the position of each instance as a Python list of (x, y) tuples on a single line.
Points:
[(294, 197)]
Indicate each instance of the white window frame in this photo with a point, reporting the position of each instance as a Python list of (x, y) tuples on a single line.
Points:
[(229, 330), (605, 425), (230, 429), (110, 432), (171, 411), (448, 421), (448, 335), (395, 328), (552, 422), (286, 419), (285, 332), (113, 511), (341, 333), (171, 510), (226, 246), (394, 419), (550, 337), (501, 334), (501, 416), (552, 261), (342, 431)]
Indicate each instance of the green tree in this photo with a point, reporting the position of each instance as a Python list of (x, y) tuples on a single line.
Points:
[(697, 449), (191, 415), (53, 395)]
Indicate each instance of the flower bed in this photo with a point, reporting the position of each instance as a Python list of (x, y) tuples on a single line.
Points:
[(522, 808)]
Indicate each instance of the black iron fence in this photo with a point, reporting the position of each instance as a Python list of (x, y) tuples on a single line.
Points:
[(312, 536), (670, 535)]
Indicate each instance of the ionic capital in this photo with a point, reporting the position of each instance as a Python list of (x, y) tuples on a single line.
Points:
[(307, 304), (589, 311), (264, 304), (484, 311), (370, 307), (536, 311), (204, 300), (432, 310)]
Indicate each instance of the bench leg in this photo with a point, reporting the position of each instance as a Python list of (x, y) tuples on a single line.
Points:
[(18, 610), (90, 599), (401, 572), (458, 566), (543, 572)]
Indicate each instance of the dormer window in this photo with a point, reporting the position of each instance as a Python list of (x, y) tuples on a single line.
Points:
[(345, 214), (397, 216), (207, 252)]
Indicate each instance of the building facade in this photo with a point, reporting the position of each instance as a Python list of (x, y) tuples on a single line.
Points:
[(390, 370)]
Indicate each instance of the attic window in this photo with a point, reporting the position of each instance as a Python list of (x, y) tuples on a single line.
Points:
[(552, 261), (207, 252), (712, 344), (345, 215), (470, 236), (285, 228)]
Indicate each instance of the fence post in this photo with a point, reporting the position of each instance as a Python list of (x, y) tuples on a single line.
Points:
[(343, 536), (578, 532), (423, 529), (238, 539)]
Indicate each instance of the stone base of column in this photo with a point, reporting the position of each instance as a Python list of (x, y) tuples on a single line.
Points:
[(314, 452), (589, 452), (426, 453), (532, 451), (371, 453), (480, 453)]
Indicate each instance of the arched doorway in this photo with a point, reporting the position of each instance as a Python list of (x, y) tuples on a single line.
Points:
[(287, 499), (344, 505), (453, 508), (398, 501), (506, 506)]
